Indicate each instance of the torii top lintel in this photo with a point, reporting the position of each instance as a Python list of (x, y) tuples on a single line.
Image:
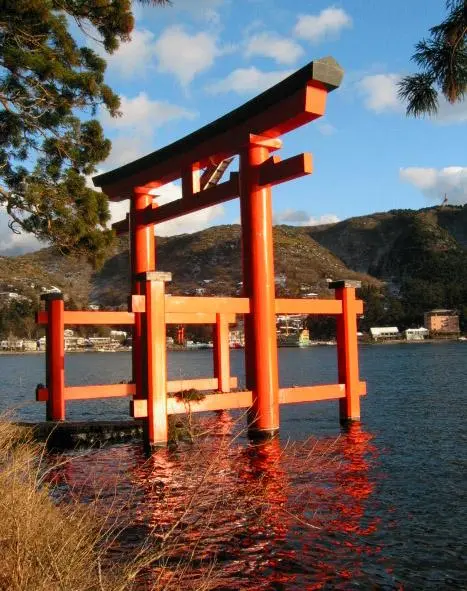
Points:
[(295, 101)]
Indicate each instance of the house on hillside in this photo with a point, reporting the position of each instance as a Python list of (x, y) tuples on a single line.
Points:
[(442, 322), (385, 333), (10, 296)]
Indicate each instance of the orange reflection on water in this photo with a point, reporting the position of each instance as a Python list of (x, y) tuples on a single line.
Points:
[(269, 516)]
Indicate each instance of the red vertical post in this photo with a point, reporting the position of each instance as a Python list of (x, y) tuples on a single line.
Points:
[(143, 259), (347, 350), (221, 353), (258, 269), (55, 356), (154, 352)]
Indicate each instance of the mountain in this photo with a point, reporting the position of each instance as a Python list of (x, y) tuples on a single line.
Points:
[(421, 255), (409, 261), (379, 244), (209, 262)]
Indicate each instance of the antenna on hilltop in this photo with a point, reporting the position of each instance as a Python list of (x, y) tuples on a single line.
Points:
[(445, 200)]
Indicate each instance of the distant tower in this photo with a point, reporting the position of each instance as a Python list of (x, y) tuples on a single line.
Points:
[(445, 200)]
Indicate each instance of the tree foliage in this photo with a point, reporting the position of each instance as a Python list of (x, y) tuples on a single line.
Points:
[(50, 90), (442, 61), (17, 318)]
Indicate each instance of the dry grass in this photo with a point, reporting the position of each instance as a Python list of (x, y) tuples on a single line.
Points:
[(52, 545), (51, 540), (43, 546)]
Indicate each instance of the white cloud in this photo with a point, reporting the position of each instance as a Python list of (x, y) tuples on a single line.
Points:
[(193, 222), (282, 50), (326, 128), (207, 10), (140, 114), (185, 55), (12, 244), (141, 117), (435, 182), (134, 58), (299, 217), (248, 80), (126, 149), (327, 24), (447, 113), (380, 92)]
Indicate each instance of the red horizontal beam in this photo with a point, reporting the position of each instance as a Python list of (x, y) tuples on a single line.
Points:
[(138, 304), (100, 391), (74, 317), (221, 305), (206, 198), (228, 400), (124, 390), (301, 107), (91, 392), (232, 400), (196, 318), (315, 393), (197, 384), (305, 306), (90, 317), (200, 310), (275, 170)]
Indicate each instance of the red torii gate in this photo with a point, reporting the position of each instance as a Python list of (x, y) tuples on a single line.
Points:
[(252, 131)]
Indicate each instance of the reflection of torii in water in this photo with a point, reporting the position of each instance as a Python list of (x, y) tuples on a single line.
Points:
[(445, 200)]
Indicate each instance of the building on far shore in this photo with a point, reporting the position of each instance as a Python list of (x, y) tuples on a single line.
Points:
[(442, 323), (237, 336), (385, 333), (417, 334)]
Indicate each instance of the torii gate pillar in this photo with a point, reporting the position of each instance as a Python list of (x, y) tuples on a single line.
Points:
[(258, 279), (143, 260)]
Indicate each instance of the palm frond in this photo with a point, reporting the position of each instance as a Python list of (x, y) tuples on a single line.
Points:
[(442, 61), (419, 93)]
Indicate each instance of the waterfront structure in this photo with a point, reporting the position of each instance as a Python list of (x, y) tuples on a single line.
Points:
[(385, 333), (442, 323), (299, 338), (416, 334), (18, 345), (253, 133), (237, 336), (291, 331)]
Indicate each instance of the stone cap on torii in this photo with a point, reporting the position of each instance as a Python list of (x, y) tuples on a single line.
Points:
[(295, 101)]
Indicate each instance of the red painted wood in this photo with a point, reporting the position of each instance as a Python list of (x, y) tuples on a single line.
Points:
[(221, 352), (55, 360), (258, 272), (274, 171), (347, 354)]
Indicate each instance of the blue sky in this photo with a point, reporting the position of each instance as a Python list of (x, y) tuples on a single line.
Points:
[(186, 66)]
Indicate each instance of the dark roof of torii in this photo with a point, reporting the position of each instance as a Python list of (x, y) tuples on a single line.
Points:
[(325, 71)]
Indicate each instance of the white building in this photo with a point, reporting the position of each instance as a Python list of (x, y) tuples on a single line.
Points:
[(416, 334), (9, 296), (118, 334), (385, 333)]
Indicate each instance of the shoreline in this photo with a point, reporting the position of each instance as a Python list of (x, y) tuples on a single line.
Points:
[(311, 346)]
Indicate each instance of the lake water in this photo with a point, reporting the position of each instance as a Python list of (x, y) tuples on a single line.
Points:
[(381, 506)]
